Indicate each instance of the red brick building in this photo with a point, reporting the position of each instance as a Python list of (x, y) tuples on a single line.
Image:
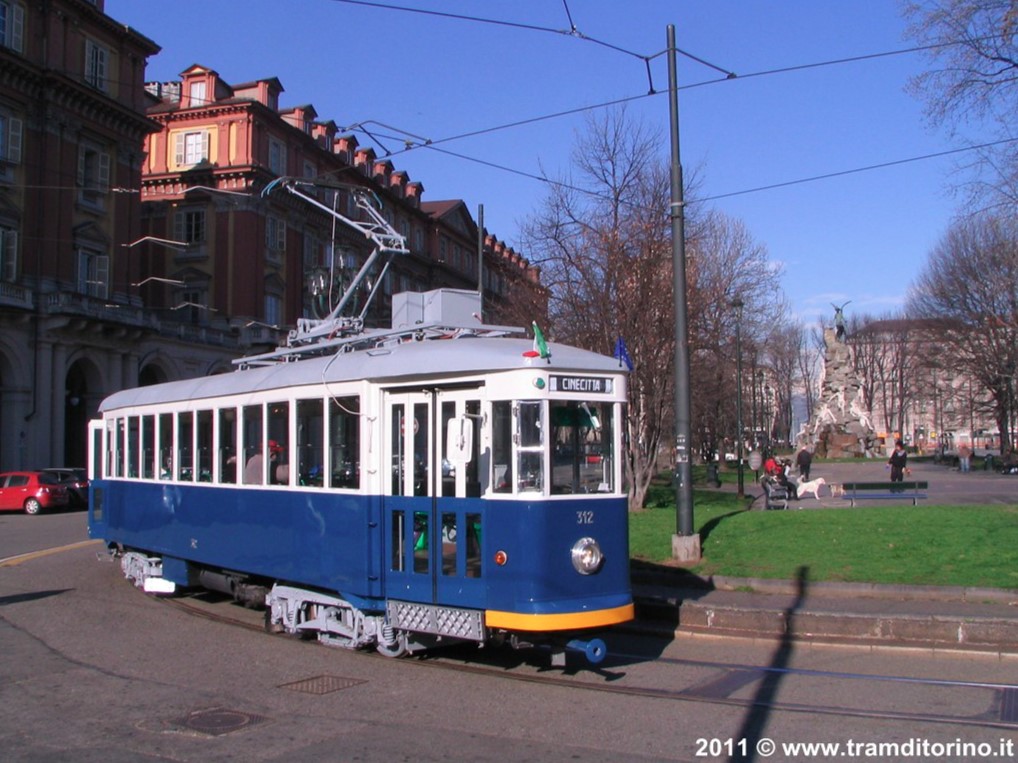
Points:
[(136, 245), (233, 254), (72, 125)]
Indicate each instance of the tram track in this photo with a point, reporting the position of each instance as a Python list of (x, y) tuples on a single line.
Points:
[(717, 689)]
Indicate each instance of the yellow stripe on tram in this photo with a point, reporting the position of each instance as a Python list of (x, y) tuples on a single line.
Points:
[(12, 561), (560, 621)]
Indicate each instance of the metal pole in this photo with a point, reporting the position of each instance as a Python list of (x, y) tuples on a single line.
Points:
[(683, 470), (480, 255), (737, 303)]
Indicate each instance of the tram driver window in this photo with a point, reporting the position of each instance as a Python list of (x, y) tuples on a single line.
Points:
[(582, 442), (501, 446), (530, 450)]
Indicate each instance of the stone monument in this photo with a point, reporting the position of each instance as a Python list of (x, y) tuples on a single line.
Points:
[(841, 426)]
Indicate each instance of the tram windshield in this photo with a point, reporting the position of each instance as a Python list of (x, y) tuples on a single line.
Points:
[(566, 446)]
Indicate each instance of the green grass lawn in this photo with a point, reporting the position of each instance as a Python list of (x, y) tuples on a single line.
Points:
[(911, 545)]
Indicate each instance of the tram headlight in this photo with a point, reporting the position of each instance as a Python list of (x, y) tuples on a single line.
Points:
[(587, 556)]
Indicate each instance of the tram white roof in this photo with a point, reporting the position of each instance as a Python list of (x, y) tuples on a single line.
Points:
[(425, 360)]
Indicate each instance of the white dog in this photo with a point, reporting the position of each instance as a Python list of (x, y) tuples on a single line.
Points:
[(813, 486)]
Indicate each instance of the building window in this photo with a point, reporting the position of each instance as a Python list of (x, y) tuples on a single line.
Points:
[(191, 148), (193, 307), (93, 174), (277, 157), (273, 310), (8, 253), (275, 238), (189, 226), (313, 251), (10, 145), (96, 63), (93, 273), (197, 91), (12, 25)]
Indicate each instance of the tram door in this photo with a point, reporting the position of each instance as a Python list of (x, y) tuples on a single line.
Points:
[(432, 507)]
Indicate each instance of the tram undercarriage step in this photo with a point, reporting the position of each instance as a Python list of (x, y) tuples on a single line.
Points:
[(466, 624)]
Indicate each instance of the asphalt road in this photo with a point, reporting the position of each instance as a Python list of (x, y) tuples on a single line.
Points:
[(91, 669)]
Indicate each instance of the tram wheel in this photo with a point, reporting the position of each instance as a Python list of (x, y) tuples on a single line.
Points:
[(271, 627), (396, 648)]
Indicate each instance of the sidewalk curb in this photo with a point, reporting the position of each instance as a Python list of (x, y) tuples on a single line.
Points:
[(769, 609), (872, 590)]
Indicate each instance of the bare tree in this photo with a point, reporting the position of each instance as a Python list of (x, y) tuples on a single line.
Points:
[(889, 353), (973, 50), (809, 362), (783, 343), (603, 240), (969, 290)]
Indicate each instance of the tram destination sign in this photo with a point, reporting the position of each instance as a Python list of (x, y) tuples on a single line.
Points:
[(588, 384)]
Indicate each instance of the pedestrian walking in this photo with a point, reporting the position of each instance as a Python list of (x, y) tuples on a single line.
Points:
[(804, 460), (964, 457), (898, 461)]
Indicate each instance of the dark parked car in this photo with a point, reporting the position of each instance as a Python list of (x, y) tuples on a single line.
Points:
[(31, 492), (76, 482)]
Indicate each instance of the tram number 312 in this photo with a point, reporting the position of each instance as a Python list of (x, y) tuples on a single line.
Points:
[(584, 517)]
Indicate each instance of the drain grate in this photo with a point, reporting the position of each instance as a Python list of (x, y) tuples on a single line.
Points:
[(216, 721), (322, 684)]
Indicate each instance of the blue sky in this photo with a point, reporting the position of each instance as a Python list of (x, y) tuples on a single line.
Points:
[(861, 237)]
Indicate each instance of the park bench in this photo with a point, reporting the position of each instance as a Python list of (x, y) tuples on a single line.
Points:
[(775, 494), (884, 491)]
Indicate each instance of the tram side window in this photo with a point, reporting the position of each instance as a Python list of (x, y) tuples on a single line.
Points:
[(344, 442), (501, 446), (115, 442), (96, 457), (228, 446), (148, 447), (132, 447), (278, 464), (583, 447), (165, 446), (254, 469), (185, 446), (204, 446), (310, 442)]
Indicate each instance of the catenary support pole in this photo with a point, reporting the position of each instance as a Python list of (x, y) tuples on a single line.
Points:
[(685, 543)]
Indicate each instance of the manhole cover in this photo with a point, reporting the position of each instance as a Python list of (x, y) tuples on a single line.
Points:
[(322, 684), (216, 721)]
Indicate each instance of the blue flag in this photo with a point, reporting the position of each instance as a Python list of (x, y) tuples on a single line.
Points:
[(622, 354)]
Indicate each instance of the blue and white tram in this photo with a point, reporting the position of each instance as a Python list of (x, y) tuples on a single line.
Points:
[(396, 494)]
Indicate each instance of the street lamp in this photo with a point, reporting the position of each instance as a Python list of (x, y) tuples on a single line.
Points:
[(738, 304)]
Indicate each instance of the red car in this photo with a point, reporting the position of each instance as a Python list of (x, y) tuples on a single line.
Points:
[(31, 492)]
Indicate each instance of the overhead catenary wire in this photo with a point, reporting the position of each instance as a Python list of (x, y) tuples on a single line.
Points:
[(414, 142)]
